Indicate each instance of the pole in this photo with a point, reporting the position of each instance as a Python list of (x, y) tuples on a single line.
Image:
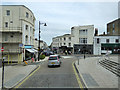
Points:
[(78, 60), (84, 50), (2, 71), (39, 43)]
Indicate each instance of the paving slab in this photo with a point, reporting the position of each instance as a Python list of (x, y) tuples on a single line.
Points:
[(15, 73), (94, 75)]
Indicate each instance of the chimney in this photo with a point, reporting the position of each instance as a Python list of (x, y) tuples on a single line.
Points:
[(96, 32)]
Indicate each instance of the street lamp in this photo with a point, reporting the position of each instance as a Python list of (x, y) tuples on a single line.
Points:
[(39, 39)]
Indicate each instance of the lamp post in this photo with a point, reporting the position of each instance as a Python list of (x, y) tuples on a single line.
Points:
[(84, 49), (39, 40)]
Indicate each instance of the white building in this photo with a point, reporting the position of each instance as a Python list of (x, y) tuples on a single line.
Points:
[(80, 36), (17, 27), (83, 38), (61, 43), (104, 43), (43, 44), (83, 34)]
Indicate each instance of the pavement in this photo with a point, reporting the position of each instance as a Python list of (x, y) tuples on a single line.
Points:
[(94, 75), (13, 74), (91, 72)]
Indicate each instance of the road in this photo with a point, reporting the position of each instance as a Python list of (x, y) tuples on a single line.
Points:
[(53, 77)]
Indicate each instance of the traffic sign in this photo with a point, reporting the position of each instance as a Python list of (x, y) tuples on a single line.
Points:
[(2, 49)]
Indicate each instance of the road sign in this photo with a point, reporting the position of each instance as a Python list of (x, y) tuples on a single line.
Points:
[(20, 45), (2, 49)]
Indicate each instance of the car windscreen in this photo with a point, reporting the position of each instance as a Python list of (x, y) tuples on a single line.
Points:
[(52, 58)]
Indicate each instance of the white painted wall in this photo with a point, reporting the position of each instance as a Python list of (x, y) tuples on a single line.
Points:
[(97, 47)]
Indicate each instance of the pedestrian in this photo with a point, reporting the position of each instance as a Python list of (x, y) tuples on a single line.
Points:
[(66, 52), (107, 54)]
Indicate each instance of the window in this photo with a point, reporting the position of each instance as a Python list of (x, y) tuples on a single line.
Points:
[(107, 40), (30, 40), (26, 39), (83, 32), (117, 40), (26, 27), (113, 27), (60, 39), (83, 40), (69, 44), (60, 44), (70, 38), (8, 12), (98, 40), (6, 38), (6, 24), (52, 58), (64, 38), (64, 43), (27, 14)]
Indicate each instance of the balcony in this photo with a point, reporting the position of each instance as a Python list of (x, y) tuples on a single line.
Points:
[(12, 51), (11, 29), (12, 40)]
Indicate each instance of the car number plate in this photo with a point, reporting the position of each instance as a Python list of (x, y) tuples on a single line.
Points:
[(53, 63)]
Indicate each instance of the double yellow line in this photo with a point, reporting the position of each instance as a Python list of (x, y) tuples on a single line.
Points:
[(26, 78), (77, 77)]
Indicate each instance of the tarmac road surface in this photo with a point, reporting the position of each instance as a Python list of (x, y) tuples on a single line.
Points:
[(53, 77)]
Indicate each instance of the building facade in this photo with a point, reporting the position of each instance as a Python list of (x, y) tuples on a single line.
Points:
[(81, 36), (83, 39), (17, 27), (102, 44), (62, 43), (43, 44), (113, 28)]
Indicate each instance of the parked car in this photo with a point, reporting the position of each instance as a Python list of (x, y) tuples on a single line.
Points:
[(54, 60), (47, 53)]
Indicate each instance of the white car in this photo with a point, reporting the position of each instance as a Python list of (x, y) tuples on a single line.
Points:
[(54, 60)]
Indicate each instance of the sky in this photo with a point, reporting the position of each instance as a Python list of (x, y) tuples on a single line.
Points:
[(61, 16)]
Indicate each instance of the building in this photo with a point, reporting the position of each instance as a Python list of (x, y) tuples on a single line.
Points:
[(81, 36), (62, 43), (113, 28), (83, 39), (43, 44), (102, 44), (17, 27), (110, 41)]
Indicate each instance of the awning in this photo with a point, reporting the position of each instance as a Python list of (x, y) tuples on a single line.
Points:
[(30, 50), (34, 50)]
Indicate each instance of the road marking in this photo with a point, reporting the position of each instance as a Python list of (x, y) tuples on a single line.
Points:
[(27, 78), (77, 77)]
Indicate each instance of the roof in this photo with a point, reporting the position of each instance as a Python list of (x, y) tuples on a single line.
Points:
[(53, 55), (21, 6), (113, 21), (63, 35)]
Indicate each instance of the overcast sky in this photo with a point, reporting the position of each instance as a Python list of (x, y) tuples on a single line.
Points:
[(61, 16)]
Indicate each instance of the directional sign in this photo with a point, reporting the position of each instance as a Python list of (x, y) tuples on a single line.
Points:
[(2, 49)]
